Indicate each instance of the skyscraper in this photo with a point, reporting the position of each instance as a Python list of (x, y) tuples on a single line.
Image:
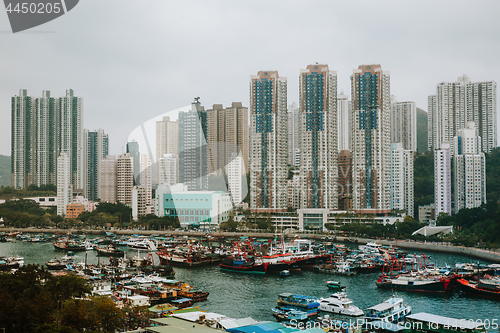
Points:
[(133, 150), (23, 145), (147, 178), (268, 155), (371, 138), (42, 128), (402, 180), (404, 124), (227, 133), (168, 168), (45, 123), (124, 179), (456, 103), (343, 122), (319, 133), (96, 146), (442, 179), (293, 135), (108, 177), (167, 139), (64, 187), (469, 168), (235, 172), (70, 131), (193, 148)]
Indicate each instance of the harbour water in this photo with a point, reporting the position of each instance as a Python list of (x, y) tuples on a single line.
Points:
[(245, 295)]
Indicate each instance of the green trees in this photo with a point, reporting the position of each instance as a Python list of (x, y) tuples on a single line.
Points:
[(32, 300)]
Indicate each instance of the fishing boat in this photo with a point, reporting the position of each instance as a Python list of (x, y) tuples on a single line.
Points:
[(334, 285), (304, 303), (416, 283), (55, 264), (8, 263), (109, 250), (340, 304), (480, 288), (392, 310), (240, 262)]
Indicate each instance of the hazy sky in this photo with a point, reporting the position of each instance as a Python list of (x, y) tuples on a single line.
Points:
[(132, 60)]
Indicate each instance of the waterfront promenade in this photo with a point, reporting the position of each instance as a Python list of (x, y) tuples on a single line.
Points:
[(486, 254)]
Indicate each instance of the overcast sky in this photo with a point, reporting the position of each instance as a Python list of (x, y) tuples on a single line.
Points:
[(132, 60)]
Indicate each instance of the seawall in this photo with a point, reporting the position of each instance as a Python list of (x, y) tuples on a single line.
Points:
[(490, 255)]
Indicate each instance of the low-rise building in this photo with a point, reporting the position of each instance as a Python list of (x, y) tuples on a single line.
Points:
[(194, 209)]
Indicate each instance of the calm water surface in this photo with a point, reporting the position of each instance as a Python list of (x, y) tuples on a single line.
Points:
[(245, 295)]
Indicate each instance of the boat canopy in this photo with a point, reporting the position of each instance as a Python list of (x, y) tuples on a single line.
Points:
[(382, 306)]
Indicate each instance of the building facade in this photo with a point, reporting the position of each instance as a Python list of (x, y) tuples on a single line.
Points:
[(96, 146), (293, 135), (147, 178), (469, 168), (404, 124), (194, 209), (167, 139), (124, 179), (42, 127), (193, 148), (227, 133), (64, 187), (268, 146), (168, 169), (319, 133), (402, 179), (107, 184), (236, 178), (133, 150), (456, 103), (370, 140), (345, 180), (442, 179), (344, 122)]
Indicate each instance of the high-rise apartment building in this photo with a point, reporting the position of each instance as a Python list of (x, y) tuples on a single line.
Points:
[(193, 148), (318, 131), (456, 103), (64, 187), (42, 128), (70, 131), (469, 168), (404, 124), (343, 122), (147, 178), (168, 169), (442, 179), (133, 150), (227, 133), (108, 177), (96, 145), (45, 136), (236, 180), (293, 135), (23, 144), (268, 146), (167, 139), (138, 202), (402, 180), (371, 138), (124, 179)]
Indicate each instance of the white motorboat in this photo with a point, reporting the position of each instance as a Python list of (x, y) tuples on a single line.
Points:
[(391, 310), (340, 304)]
